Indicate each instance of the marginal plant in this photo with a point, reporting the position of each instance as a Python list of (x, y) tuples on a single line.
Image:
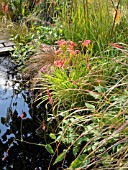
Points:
[(88, 99)]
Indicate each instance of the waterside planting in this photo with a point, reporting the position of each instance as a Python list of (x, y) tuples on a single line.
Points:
[(74, 56)]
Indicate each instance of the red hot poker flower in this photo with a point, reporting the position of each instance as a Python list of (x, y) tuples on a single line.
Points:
[(38, 3), (89, 65)]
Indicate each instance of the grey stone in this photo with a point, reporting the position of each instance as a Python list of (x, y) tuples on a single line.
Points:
[(6, 49), (1, 45), (3, 41), (8, 44)]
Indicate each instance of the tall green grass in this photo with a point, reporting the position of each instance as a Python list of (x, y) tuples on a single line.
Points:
[(92, 20)]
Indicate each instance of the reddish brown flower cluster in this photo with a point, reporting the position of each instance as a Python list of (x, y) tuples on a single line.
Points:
[(5, 8), (43, 125), (115, 45), (86, 43), (66, 46), (88, 63), (67, 50), (37, 2), (60, 63), (22, 115), (49, 95)]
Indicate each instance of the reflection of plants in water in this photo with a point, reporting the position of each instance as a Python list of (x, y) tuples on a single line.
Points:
[(21, 146), (19, 152)]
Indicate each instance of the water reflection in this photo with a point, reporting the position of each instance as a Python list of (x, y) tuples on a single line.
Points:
[(9, 101), (19, 149)]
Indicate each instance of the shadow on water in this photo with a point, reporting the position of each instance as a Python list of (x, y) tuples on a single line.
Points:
[(15, 101)]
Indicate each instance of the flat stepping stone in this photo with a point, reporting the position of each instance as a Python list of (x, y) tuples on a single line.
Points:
[(8, 44), (6, 47)]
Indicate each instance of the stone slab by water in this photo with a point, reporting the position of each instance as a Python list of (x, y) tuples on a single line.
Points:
[(6, 47)]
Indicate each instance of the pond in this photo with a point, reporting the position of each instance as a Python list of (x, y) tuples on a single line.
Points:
[(19, 142)]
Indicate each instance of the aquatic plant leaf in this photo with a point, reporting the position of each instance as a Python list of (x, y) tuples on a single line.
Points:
[(60, 157), (52, 136), (49, 148)]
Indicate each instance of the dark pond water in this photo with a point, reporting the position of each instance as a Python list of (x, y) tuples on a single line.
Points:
[(15, 153), (13, 102)]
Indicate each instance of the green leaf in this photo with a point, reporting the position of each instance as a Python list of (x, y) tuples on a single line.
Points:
[(90, 106), (60, 157), (76, 150), (95, 95), (79, 161), (52, 136), (49, 148)]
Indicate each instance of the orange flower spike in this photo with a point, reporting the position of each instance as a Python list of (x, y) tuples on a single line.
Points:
[(87, 60)]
